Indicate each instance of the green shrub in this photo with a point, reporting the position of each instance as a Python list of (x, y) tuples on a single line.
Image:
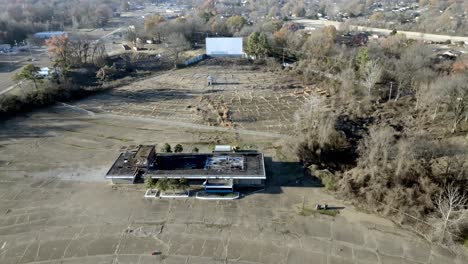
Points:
[(465, 240), (330, 183), (162, 184), (166, 148), (173, 184), (149, 182), (183, 184), (178, 148)]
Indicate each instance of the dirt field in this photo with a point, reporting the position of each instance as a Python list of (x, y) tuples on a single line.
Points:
[(55, 206), (255, 100)]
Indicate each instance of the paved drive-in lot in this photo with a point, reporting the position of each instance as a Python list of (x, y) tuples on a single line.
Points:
[(55, 206), (57, 221)]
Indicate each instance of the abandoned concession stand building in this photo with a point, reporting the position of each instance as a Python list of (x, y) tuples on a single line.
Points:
[(218, 171)]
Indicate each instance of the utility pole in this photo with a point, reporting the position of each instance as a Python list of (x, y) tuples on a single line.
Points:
[(30, 53), (11, 60)]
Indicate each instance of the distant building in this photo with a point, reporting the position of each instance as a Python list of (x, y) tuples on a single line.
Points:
[(222, 169), (5, 46), (224, 47), (43, 72), (50, 34)]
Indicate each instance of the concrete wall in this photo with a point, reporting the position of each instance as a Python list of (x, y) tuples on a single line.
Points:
[(122, 181), (249, 183)]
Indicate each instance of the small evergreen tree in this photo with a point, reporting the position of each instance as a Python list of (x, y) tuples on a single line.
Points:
[(178, 148), (162, 184), (252, 43), (183, 184), (166, 148), (173, 184), (195, 150), (30, 73), (257, 44), (149, 182)]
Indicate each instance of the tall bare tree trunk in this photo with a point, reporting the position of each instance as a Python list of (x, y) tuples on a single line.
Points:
[(398, 92), (390, 93), (435, 112)]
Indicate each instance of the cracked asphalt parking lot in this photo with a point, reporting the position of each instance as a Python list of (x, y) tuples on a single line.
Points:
[(55, 206), (57, 221)]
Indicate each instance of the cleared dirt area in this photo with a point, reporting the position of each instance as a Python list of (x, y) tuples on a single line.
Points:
[(253, 100), (55, 206)]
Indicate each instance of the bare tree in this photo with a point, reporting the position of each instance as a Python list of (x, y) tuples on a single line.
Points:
[(451, 92), (377, 149), (450, 204), (372, 75), (99, 54), (411, 67), (176, 44)]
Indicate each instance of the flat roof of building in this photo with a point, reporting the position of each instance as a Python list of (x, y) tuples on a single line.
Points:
[(144, 151), (239, 165), (124, 165)]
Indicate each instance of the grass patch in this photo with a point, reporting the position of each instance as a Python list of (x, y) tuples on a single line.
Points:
[(330, 212), (330, 183)]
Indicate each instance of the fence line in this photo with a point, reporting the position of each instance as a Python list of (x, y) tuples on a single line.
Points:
[(194, 60)]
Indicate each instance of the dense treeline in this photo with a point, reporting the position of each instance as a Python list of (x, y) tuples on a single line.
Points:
[(392, 134), (432, 16), (21, 18)]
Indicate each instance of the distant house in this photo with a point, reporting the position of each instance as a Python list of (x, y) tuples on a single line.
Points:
[(43, 72), (354, 39), (449, 55), (50, 34), (224, 47)]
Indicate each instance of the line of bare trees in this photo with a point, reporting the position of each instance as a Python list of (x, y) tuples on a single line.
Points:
[(393, 133), (19, 19)]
